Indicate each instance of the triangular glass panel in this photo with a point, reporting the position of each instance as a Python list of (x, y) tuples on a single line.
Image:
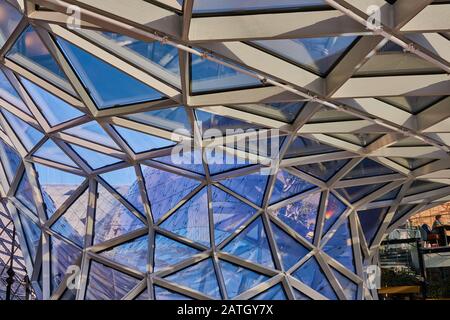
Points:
[(356, 193), (162, 59), (165, 189), (239, 279), (28, 135), (311, 274), (401, 211), (350, 288), (316, 54), (50, 151), (281, 111), (368, 168), (301, 215), (30, 52), (165, 294), (229, 213), (56, 186), (54, 109), (391, 195), (125, 182), (170, 119), (24, 193), (9, 93), (10, 20), (10, 160), (94, 159), (301, 147), (72, 224), (323, 170), (32, 234), (252, 245), (142, 142), (108, 86), (290, 250), (274, 293), (340, 247), (112, 219), (132, 254), (411, 163), (187, 160), (200, 277), (422, 186), (371, 221), (207, 121), (93, 132), (62, 255), (144, 295), (219, 161), (300, 296), (251, 186), (169, 252), (287, 185), (335, 208), (105, 283), (191, 220), (209, 76)]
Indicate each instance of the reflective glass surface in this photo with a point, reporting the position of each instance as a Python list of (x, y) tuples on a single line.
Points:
[(132, 254), (9, 19)]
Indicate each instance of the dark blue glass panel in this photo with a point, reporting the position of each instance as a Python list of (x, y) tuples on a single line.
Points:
[(132, 254), (287, 185), (356, 193), (56, 186), (62, 255), (300, 296), (422, 186), (25, 193), (199, 277), (9, 20), (169, 252), (391, 195), (165, 189), (72, 224), (220, 161), (108, 86), (290, 250), (93, 132), (350, 288), (164, 294), (370, 222), (274, 293), (339, 247), (54, 109), (50, 151), (323, 170), (191, 220), (252, 186), (239, 279), (368, 168), (169, 119), (301, 147), (207, 76), (112, 219), (335, 208), (30, 52), (401, 211), (317, 54), (10, 94), (125, 182), (163, 58), (229, 213), (312, 275), (301, 215), (211, 124), (251, 244), (216, 6), (94, 159), (105, 283), (28, 135), (141, 142), (10, 160), (189, 160), (32, 234)]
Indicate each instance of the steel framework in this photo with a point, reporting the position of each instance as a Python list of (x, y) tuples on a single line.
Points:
[(362, 116)]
